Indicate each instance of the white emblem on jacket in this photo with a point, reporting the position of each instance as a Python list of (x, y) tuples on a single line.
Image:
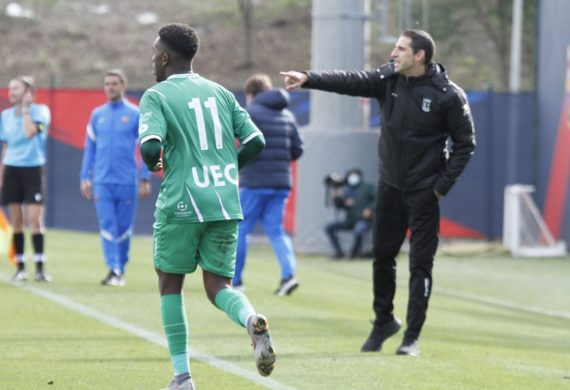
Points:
[(426, 103)]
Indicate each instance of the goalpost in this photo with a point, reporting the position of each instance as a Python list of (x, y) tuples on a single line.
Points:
[(524, 232)]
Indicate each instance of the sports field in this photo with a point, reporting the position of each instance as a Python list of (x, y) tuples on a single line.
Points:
[(494, 323)]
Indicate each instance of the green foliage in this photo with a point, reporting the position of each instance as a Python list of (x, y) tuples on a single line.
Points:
[(471, 340)]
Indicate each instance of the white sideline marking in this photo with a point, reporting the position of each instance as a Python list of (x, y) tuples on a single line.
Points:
[(150, 336)]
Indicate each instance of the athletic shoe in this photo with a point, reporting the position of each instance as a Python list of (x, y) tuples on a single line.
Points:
[(20, 276), (379, 334), (113, 280), (42, 277), (409, 347), (287, 286), (263, 352), (185, 385)]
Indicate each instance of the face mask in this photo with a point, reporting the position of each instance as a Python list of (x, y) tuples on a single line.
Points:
[(353, 179)]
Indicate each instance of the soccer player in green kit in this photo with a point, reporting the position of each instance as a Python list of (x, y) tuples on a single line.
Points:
[(192, 123)]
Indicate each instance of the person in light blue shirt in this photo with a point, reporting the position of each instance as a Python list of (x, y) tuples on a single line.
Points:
[(24, 130), (109, 173)]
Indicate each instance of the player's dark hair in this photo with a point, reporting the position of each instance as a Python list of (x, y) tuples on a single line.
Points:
[(257, 83), (421, 40), (180, 38)]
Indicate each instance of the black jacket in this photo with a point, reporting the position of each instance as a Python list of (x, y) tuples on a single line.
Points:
[(272, 168), (419, 114)]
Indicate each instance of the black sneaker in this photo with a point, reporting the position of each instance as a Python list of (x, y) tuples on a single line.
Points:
[(114, 280), (379, 334), (409, 347), (287, 286)]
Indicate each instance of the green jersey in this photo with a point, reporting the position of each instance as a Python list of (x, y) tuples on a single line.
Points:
[(197, 122)]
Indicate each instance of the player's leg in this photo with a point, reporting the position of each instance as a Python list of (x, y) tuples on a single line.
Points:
[(108, 229), (251, 205), (174, 255), (272, 221), (125, 211), (216, 256)]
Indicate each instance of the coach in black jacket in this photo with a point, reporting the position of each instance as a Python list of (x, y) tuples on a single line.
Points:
[(421, 108)]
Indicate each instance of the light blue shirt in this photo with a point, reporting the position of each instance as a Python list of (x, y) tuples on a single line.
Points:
[(24, 152)]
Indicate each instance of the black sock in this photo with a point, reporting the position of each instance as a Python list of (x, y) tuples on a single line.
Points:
[(18, 239), (38, 243)]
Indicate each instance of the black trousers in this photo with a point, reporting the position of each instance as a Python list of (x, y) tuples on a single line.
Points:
[(396, 211)]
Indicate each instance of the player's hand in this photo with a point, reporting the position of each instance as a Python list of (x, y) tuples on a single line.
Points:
[(27, 98), (86, 189), (144, 189), (293, 79), (158, 166)]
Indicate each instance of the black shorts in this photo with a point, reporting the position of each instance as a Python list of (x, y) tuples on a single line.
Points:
[(22, 185)]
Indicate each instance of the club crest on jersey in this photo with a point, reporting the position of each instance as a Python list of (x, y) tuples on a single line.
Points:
[(125, 119), (181, 206), (426, 105)]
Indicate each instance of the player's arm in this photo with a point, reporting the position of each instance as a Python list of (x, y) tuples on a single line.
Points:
[(150, 151), (250, 148), (152, 129)]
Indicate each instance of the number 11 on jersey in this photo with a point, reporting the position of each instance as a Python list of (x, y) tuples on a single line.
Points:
[(196, 106)]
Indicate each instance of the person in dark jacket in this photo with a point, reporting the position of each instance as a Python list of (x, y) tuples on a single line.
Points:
[(421, 109), (356, 198), (265, 183)]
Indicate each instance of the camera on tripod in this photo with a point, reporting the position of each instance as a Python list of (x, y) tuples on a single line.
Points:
[(334, 180)]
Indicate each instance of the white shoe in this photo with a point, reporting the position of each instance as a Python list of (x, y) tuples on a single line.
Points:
[(186, 385), (263, 352), (20, 276)]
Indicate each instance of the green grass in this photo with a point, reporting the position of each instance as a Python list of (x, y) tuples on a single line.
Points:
[(466, 343)]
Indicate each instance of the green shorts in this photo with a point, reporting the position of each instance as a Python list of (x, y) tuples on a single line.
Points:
[(180, 248)]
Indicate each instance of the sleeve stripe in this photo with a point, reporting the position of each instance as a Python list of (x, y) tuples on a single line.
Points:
[(251, 136), (149, 137), (91, 132)]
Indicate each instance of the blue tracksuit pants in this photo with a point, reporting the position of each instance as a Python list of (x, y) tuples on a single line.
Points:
[(115, 205), (266, 205)]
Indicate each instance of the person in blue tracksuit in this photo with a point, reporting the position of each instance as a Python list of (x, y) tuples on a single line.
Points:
[(266, 182), (109, 173)]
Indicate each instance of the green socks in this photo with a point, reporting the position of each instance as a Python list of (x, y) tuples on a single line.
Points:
[(176, 330), (235, 304)]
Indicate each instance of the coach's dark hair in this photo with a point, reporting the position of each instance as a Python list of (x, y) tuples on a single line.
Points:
[(180, 38), (421, 40)]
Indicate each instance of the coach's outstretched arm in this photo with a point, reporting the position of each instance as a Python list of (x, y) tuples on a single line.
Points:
[(293, 79)]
